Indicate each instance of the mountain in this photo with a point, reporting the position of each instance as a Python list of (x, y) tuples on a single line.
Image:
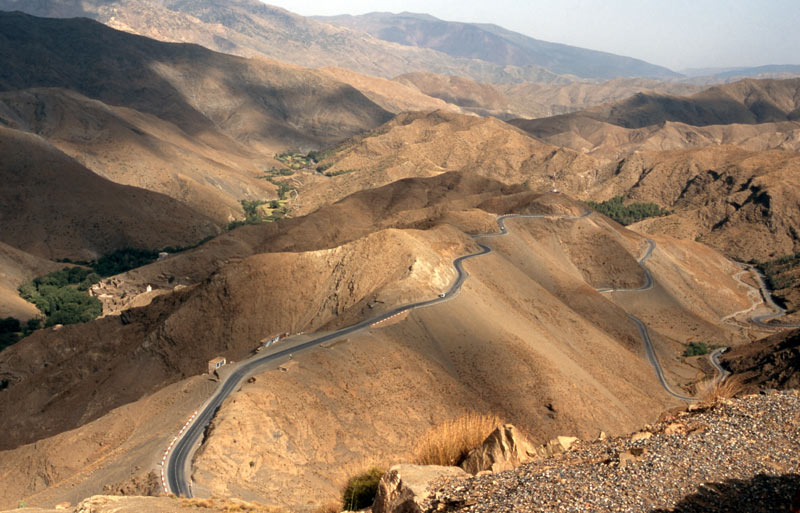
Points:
[(53, 207), (701, 75), (251, 28), (491, 43), (755, 114), (101, 398), (177, 119)]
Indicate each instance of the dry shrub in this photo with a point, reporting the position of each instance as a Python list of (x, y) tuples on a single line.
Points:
[(449, 442), (360, 491), (713, 390)]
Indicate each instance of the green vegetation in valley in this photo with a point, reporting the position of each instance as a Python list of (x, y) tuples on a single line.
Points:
[(258, 212), (360, 491), (123, 260), (276, 171), (12, 331), (62, 296), (696, 349), (295, 160), (627, 214)]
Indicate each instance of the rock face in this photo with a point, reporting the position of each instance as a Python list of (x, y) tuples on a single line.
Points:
[(404, 487), (506, 448)]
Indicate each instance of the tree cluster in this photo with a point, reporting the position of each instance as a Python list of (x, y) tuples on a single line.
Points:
[(627, 214), (62, 296)]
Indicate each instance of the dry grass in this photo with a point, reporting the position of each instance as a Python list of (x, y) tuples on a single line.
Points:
[(449, 442), (712, 391)]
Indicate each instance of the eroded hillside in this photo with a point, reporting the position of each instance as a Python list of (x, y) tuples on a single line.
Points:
[(529, 308)]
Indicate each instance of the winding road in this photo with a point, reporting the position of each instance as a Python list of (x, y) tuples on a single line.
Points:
[(761, 320), (643, 333), (183, 447)]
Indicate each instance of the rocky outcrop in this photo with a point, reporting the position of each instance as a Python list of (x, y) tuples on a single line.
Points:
[(404, 487), (506, 448)]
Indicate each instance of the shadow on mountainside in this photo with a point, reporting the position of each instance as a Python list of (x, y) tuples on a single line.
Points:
[(761, 494)]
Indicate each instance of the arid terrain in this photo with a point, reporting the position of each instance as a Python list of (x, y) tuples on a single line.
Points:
[(298, 176)]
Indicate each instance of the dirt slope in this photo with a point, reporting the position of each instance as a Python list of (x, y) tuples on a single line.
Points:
[(527, 309), (483, 99), (527, 331), (769, 363), (537, 100), (138, 149), (391, 95), (17, 267), (53, 207), (758, 114), (495, 44), (179, 119), (428, 144), (251, 28)]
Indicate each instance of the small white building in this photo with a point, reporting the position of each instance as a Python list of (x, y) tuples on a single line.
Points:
[(216, 363)]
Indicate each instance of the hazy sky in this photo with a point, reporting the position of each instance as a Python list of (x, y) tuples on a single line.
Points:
[(673, 33)]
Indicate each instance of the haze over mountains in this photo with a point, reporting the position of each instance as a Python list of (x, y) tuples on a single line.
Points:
[(397, 150)]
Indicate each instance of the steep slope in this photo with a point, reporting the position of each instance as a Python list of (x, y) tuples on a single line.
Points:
[(432, 143), (527, 331), (251, 28), (529, 309), (644, 116), (178, 119), (133, 148), (479, 98), (17, 267), (495, 44), (391, 95), (769, 363), (537, 100), (745, 204), (53, 207), (250, 100)]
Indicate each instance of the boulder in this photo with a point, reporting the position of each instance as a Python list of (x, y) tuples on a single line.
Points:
[(504, 449), (404, 487)]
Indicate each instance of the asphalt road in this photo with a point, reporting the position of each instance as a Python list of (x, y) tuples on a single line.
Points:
[(179, 458), (722, 374), (643, 333), (761, 320)]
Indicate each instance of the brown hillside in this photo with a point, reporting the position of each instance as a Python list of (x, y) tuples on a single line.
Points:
[(53, 207), (17, 267), (536, 100), (250, 28), (757, 114), (527, 331), (432, 143), (133, 148), (745, 204), (260, 102), (527, 309), (389, 94), (464, 92), (769, 363), (178, 119), (741, 202)]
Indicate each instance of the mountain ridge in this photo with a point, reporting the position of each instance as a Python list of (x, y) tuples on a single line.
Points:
[(496, 44)]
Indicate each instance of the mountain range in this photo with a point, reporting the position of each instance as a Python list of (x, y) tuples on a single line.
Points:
[(301, 201)]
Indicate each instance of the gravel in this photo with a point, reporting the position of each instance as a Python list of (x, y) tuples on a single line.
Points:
[(740, 455)]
